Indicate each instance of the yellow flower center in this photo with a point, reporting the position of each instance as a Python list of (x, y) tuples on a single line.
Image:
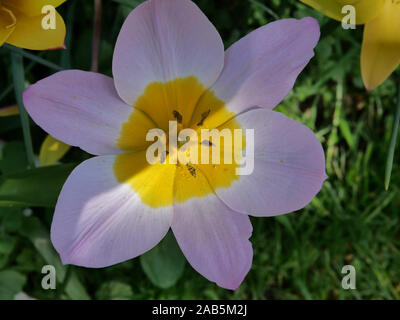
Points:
[(186, 101)]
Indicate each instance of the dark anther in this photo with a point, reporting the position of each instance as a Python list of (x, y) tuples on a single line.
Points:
[(192, 170), (207, 143), (204, 116), (177, 116), (163, 157)]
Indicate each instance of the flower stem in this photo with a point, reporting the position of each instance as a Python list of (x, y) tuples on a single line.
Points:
[(65, 59), (10, 88), (96, 35), (17, 67), (392, 146)]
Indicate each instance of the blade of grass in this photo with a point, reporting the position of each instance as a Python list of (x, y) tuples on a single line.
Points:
[(65, 59), (33, 57), (392, 146), (17, 68), (334, 137), (265, 8), (96, 35), (10, 88)]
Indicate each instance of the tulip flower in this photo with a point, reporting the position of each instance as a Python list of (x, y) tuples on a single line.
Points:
[(169, 64), (380, 53), (21, 24)]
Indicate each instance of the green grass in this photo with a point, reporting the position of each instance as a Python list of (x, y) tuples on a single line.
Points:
[(353, 220)]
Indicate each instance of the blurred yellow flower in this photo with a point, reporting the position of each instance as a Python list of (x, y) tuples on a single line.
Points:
[(21, 24), (9, 111), (52, 150), (380, 54)]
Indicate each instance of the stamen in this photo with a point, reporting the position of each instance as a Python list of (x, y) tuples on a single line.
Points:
[(163, 157), (207, 143), (204, 116), (192, 170), (177, 116), (11, 15)]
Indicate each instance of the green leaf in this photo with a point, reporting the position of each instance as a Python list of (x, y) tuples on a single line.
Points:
[(11, 283), (114, 290), (11, 218), (34, 187), (33, 229), (75, 289), (29, 261), (7, 245), (40, 237), (13, 158), (393, 142), (346, 132), (165, 263)]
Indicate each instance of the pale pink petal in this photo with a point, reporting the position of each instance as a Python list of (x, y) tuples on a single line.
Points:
[(100, 222), (162, 40), (214, 239), (260, 69), (79, 108), (289, 166)]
